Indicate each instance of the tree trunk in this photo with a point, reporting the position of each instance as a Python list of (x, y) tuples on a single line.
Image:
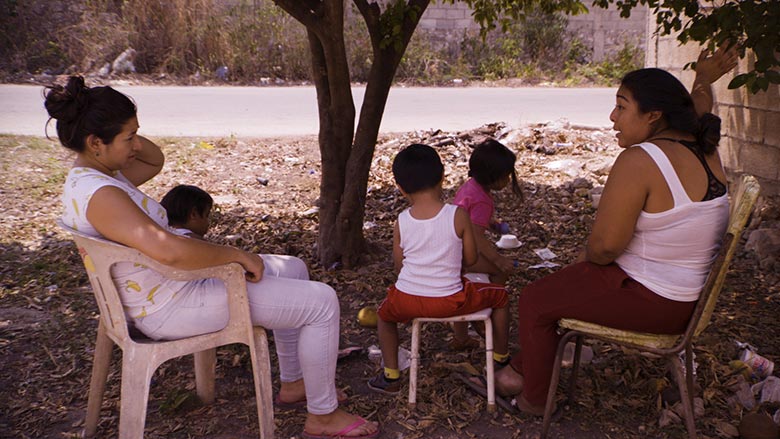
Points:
[(346, 166), (335, 140), (380, 79)]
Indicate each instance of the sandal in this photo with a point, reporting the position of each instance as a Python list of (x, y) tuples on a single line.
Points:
[(344, 432), (478, 384)]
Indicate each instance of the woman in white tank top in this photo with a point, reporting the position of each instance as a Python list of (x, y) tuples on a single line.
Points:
[(660, 221)]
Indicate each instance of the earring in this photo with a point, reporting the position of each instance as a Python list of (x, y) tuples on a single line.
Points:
[(97, 154)]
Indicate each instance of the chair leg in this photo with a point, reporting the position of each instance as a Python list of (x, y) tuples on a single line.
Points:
[(575, 368), (137, 370), (205, 371), (689, 370), (556, 375), (97, 384), (415, 363), (683, 379), (261, 360), (491, 380)]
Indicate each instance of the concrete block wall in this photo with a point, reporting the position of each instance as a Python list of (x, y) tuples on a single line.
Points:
[(606, 32), (602, 30), (750, 127)]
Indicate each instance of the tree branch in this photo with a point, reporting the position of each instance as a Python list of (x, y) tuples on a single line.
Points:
[(307, 12)]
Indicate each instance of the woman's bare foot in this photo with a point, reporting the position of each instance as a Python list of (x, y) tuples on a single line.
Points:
[(336, 422), (508, 382), (295, 391), (527, 407)]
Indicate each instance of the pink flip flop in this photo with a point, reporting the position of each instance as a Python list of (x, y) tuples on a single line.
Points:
[(343, 433)]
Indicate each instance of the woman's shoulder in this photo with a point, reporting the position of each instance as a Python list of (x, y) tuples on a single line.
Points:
[(635, 156)]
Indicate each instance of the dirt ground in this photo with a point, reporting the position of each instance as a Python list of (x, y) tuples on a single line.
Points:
[(48, 317)]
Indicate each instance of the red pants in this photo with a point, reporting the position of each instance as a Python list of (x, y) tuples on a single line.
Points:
[(601, 294), (400, 307)]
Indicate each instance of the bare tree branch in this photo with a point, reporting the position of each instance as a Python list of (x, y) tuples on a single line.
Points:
[(307, 12)]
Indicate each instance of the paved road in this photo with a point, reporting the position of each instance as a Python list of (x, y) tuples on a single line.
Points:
[(272, 111)]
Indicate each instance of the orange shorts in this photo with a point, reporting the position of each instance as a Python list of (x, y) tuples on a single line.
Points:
[(400, 307)]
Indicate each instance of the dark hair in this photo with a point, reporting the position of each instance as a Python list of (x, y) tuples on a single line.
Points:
[(81, 111), (658, 90), (180, 201), (417, 167), (490, 162)]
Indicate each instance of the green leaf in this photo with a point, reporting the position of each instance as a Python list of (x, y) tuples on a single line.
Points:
[(738, 81), (772, 76)]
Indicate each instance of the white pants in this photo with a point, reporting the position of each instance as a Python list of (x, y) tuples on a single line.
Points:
[(303, 314)]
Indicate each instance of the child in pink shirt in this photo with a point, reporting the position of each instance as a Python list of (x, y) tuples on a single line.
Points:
[(491, 168)]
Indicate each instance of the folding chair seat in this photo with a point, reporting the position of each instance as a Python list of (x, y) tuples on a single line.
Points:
[(141, 357), (668, 347)]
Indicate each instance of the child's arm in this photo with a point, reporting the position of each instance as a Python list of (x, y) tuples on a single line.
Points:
[(488, 250), (398, 253), (465, 232)]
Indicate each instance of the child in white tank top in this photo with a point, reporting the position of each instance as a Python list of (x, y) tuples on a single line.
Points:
[(432, 241)]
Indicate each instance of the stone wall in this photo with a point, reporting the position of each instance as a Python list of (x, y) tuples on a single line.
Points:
[(751, 123), (601, 30)]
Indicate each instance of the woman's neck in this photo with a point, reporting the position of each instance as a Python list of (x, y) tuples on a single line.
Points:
[(84, 161), (670, 134)]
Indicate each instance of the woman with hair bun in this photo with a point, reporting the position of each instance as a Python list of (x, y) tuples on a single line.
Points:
[(101, 198), (658, 228)]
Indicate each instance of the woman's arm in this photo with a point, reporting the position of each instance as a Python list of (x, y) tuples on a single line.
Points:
[(466, 233), (709, 68), (621, 203), (112, 213), (148, 163)]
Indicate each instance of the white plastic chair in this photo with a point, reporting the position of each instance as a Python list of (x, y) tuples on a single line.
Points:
[(483, 315), (141, 357)]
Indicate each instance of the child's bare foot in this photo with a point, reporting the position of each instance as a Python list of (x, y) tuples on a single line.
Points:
[(339, 424), (463, 344)]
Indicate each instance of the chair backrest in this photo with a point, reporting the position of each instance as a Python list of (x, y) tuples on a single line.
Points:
[(743, 199), (99, 255)]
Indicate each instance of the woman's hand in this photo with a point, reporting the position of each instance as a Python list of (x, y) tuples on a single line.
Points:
[(710, 67), (254, 267)]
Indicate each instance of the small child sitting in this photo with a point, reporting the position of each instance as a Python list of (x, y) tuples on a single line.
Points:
[(432, 241), (189, 209)]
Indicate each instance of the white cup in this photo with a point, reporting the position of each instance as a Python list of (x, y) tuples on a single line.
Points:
[(508, 241)]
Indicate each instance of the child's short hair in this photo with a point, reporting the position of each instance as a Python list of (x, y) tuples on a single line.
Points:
[(490, 162), (417, 167), (180, 201)]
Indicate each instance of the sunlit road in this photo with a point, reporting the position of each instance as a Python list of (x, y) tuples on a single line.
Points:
[(278, 111)]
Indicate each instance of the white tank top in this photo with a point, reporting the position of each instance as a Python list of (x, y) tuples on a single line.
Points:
[(672, 251), (433, 254)]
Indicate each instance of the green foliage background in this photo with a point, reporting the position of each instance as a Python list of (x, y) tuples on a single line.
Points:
[(258, 41)]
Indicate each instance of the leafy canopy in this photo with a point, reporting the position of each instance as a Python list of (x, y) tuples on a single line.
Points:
[(752, 24)]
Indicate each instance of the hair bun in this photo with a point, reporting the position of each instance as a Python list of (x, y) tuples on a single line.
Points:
[(67, 103), (709, 132)]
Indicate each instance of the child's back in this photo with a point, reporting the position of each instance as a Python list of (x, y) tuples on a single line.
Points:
[(432, 254)]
